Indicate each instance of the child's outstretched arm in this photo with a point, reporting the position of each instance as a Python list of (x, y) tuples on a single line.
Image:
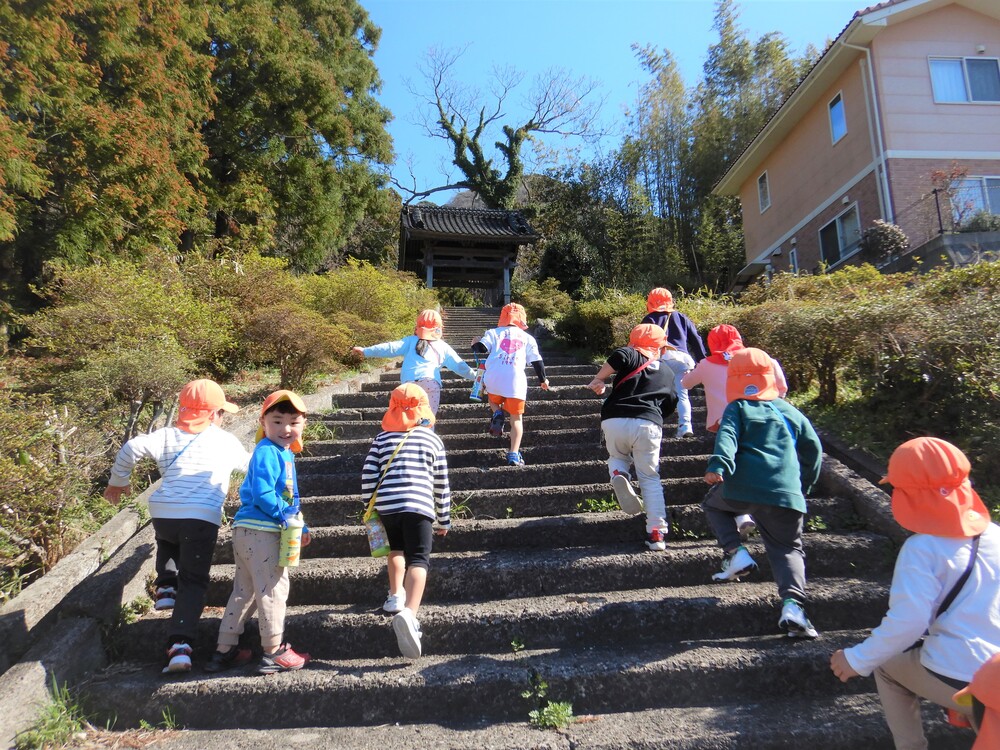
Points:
[(457, 365), (540, 372), (599, 383), (387, 349)]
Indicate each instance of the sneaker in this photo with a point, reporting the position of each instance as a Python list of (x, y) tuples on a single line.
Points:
[(394, 603), (165, 598), (656, 541), (684, 431), (408, 633), (746, 526), (514, 458), (282, 660), (794, 620), (178, 659), (496, 423), (234, 657), (628, 500), (734, 565)]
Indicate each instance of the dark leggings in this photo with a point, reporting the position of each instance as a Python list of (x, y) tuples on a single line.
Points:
[(411, 534)]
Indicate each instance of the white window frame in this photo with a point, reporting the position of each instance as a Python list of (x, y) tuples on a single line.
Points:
[(983, 203), (965, 76), (846, 250), (764, 180), (839, 98)]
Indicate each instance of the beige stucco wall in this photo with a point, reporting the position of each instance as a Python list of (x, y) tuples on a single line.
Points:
[(912, 120), (807, 169)]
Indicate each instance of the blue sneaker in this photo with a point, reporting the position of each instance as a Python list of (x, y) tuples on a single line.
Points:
[(514, 458), (496, 423)]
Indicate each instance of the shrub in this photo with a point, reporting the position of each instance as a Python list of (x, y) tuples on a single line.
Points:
[(543, 299), (298, 341), (884, 240), (602, 324), (981, 221)]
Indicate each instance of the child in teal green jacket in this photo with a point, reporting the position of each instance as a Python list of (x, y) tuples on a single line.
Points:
[(767, 458)]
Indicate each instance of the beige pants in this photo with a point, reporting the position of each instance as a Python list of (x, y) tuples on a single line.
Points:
[(259, 582), (902, 682)]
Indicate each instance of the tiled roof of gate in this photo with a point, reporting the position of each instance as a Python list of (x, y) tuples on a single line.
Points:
[(473, 222)]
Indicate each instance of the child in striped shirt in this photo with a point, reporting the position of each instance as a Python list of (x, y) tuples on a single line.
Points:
[(407, 464)]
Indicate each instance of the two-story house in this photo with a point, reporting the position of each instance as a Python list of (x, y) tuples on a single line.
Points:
[(898, 120)]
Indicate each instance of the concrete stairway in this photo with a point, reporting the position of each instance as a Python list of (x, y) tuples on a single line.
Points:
[(531, 588)]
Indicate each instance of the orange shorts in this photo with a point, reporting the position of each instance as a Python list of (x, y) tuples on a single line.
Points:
[(510, 405)]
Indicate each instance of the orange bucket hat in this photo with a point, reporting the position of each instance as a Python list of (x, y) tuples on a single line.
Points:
[(276, 398), (931, 492), (648, 339), (514, 315), (429, 325), (408, 408), (751, 376), (985, 687), (199, 400), (659, 300), (722, 342)]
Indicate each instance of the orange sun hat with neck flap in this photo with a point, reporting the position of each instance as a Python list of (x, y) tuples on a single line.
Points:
[(408, 408), (514, 315), (276, 398), (199, 401), (985, 687), (659, 300), (931, 491), (648, 339), (722, 342), (429, 326), (751, 376)]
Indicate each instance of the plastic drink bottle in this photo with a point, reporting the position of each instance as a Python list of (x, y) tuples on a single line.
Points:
[(290, 545), (477, 385)]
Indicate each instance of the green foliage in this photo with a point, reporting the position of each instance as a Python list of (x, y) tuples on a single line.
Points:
[(597, 505), (542, 299), (517, 645), (552, 716), (298, 341), (602, 324), (981, 221), (816, 524), (56, 724), (884, 240)]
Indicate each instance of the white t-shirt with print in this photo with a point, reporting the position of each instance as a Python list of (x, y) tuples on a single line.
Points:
[(511, 350)]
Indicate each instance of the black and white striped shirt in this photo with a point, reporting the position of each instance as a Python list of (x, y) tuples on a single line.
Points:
[(417, 480)]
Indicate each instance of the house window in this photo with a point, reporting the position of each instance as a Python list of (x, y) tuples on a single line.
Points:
[(763, 192), (973, 195), (965, 79), (838, 120), (793, 260), (841, 237)]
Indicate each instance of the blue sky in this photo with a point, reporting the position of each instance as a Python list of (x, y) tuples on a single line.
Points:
[(591, 38)]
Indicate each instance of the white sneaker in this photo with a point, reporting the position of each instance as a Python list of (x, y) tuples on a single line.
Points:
[(165, 598), (179, 659), (794, 620), (737, 564), (394, 603), (684, 430), (627, 499), (746, 526), (408, 633)]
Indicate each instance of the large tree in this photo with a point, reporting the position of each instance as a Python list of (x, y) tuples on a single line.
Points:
[(557, 103)]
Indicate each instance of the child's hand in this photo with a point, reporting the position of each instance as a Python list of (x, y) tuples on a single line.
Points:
[(712, 478), (307, 537), (441, 532), (597, 386), (842, 668), (545, 385), (114, 494), (358, 350)]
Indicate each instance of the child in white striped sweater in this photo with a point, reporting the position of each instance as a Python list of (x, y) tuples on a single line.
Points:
[(407, 463)]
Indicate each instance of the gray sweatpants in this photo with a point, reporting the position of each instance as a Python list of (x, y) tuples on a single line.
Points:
[(780, 529)]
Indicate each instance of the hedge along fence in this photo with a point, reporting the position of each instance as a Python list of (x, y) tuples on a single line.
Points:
[(108, 354), (922, 352)]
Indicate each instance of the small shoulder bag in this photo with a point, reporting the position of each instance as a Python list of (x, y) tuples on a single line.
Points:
[(378, 543)]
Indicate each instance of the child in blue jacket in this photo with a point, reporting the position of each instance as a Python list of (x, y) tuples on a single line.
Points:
[(269, 497), (424, 354)]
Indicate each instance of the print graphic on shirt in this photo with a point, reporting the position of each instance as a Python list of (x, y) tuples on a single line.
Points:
[(510, 347)]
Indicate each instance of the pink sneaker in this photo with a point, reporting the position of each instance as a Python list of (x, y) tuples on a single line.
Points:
[(282, 660)]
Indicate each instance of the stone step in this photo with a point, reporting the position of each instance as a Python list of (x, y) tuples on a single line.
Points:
[(463, 385), (841, 722), (567, 369), (369, 428), (458, 445), (626, 677), (340, 534), (484, 575), (603, 619)]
